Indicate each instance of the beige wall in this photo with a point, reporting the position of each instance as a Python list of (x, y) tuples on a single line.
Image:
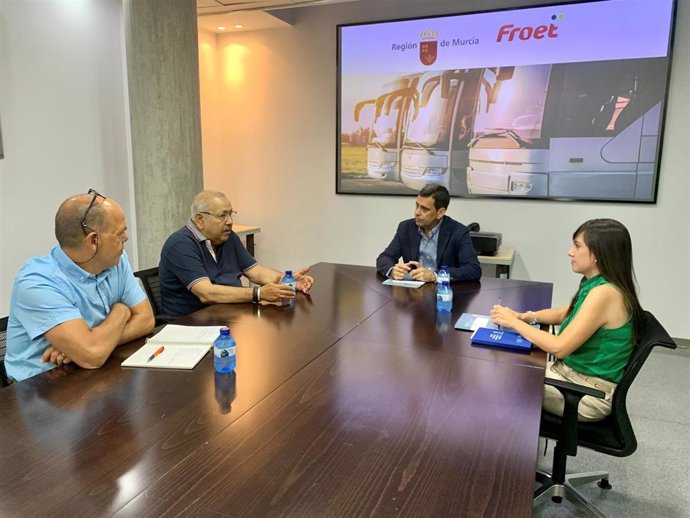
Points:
[(273, 151), (211, 119), (64, 120)]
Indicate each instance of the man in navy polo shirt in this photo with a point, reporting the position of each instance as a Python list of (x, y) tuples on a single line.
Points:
[(203, 262)]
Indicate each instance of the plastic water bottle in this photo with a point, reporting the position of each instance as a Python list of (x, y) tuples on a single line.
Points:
[(289, 280), (224, 358), (444, 298), (443, 275)]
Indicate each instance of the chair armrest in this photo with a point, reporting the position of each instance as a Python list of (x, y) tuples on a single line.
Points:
[(566, 387), (4, 381), (572, 394)]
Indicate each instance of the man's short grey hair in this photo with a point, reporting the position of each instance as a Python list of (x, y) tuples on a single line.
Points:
[(202, 201)]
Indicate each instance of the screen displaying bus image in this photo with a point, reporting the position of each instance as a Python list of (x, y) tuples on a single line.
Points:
[(576, 130), (550, 102)]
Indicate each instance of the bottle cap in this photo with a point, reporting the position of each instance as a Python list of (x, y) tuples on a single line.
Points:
[(225, 330), (288, 272), (444, 267)]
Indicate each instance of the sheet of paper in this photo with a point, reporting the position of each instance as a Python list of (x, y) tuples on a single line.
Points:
[(172, 357), (471, 322), (404, 284), (480, 322), (174, 334)]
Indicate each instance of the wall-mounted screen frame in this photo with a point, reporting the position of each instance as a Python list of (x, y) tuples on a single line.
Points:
[(562, 101)]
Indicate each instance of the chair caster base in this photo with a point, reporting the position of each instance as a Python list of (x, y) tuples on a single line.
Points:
[(557, 491), (604, 484)]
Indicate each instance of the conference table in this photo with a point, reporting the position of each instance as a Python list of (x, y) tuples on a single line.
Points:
[(358, 399)]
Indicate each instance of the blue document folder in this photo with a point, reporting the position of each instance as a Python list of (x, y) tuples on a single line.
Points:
[(500, 338)]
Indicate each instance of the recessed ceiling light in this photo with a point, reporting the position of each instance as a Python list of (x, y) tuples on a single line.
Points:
[(239, 26), (221, 27)]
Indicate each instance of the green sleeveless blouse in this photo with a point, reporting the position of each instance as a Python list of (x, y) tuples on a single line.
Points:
[(606, 353)]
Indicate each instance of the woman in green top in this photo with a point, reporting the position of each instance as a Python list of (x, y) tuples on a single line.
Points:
[(599, 326)]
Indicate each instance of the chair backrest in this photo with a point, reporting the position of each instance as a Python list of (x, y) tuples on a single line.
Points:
[(149, 279), (653, 334), (3, 349)]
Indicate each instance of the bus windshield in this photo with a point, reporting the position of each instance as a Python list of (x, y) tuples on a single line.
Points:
[(431, 127), (515, 104), (386, 126)]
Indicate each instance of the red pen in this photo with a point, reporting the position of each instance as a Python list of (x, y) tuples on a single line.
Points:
[(160, 350)]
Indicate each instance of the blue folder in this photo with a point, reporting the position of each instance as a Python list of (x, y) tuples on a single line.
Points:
[(500, 338)]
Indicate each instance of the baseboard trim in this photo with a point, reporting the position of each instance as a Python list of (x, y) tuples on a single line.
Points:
[(682, 343)]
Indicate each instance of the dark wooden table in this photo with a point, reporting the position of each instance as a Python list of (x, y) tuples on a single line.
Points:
[(358, 400)]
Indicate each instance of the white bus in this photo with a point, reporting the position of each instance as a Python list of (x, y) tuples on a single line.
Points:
[(440, 127), (578, 130), (387, 126)]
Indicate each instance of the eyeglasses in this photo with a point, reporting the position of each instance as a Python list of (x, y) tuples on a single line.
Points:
[(83, 224), (223, 216)]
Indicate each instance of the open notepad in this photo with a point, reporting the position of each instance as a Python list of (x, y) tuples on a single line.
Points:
[(183, 348)]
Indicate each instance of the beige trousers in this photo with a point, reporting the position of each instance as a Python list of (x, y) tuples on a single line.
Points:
[(590, 408)]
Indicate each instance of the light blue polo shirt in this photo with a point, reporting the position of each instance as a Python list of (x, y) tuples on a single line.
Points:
[(51, 290), (428, 247)]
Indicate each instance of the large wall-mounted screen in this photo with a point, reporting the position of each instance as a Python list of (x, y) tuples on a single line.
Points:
[(554, 102)]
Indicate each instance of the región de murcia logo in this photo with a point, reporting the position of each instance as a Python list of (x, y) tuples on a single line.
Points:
[(428, 47)]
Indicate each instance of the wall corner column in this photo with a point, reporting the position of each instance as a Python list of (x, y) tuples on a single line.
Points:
[(163, 81)]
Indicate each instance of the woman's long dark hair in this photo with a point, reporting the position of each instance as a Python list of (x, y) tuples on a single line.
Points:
[(610, 243)]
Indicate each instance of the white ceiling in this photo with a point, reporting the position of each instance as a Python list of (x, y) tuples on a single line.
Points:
[(249, 20), (251, 14), (205, 6)]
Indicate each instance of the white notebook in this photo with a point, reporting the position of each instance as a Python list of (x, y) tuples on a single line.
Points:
[(182, 348)]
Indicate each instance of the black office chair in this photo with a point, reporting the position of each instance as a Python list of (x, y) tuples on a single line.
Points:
[(613, 436), (149, 278), (3, 349)]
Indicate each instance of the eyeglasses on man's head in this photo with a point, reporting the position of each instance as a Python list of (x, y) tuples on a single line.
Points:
[(83, 224)]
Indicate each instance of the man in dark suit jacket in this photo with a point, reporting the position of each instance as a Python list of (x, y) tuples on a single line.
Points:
[(428, 241)]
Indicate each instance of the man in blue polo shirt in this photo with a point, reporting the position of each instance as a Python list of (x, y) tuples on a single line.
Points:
[(81, 301), (203, 262)]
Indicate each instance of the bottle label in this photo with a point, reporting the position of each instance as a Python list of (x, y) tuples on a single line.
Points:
[(224, 353), (292, 282)]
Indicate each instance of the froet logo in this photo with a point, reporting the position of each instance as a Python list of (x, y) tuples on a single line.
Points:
[(510, 32), (428, 47)]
